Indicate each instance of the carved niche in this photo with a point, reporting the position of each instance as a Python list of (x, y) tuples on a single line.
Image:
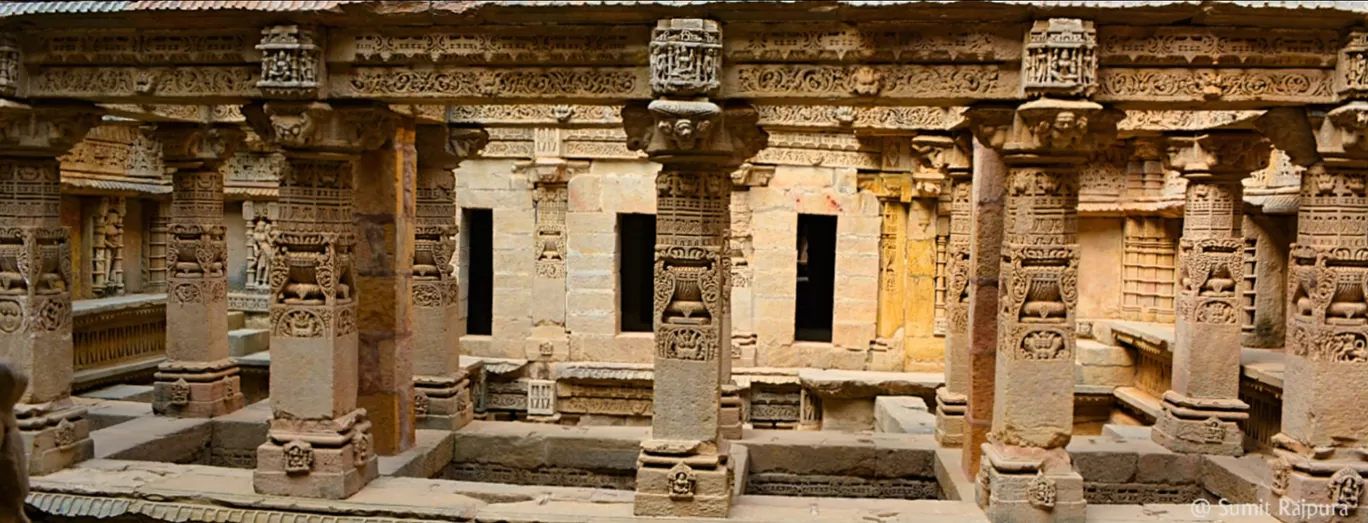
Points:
[(1060, 58), (291, 61), (686, 57), (259, 216), (107, 247)]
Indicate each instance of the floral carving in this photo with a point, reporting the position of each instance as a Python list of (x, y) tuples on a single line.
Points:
[(297, 323), (1041, 491), (1217, 312), (186, 293), (1042, 345)]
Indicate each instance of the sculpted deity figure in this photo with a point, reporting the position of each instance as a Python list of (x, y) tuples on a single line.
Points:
[(108, 249), (13, 466)]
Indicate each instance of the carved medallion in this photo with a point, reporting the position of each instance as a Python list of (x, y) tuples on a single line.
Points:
[(180, 392), (421, 403), (1346, 487), (683, 483), (11, 316), (299, 458)]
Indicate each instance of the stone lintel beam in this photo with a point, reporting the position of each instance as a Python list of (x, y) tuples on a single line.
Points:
[(198, 379)]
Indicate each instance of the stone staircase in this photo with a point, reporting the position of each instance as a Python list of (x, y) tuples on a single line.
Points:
[(243, 340)]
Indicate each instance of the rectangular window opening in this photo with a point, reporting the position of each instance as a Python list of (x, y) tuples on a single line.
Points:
[(816, 277), (478, 226), (636, 272)]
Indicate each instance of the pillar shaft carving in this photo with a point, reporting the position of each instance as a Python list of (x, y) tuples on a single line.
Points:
[(952, 399), (36, 276), (198, 379), (319, 443), (1026, 473), (441, 387), (1202, 408), (1319, 454), (682, 470)]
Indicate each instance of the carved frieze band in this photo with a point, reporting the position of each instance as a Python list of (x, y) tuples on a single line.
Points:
[(908, 82), (875, 42), (462, 82), (1235, 46), (1304, 86), (532, 44)]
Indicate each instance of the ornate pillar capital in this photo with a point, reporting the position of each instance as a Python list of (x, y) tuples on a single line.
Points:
[(44, 130), (1046, 127), (188, 146), (937, 159), (1218, 155), (694, 131), (320, 127), (446, 146)]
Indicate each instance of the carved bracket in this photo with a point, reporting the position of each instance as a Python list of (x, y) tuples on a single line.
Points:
[(1218, 154), (321, 127)]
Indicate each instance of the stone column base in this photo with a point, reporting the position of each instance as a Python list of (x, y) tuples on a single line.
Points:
[(1303, 490), (1021, 491), (950, 409), (443, 402), (729, 422), (56, 435), (196, 390), (698, 486), (327, 459), (1197, 426)]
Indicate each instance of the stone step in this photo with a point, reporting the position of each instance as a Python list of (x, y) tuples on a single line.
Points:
[(237, 320), (122, 392), (903, 415), (242, 342)]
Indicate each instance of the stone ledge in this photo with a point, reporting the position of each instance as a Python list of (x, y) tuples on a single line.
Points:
[(903, 415), (1138, 399), (850, 384), (116, 303)]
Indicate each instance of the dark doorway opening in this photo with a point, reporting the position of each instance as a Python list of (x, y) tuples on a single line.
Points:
[(816, 277), (478, 226), (636, 272)]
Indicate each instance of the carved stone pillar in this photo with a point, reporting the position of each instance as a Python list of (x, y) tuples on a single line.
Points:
[(1320, 455), (682, 470), (550, 178), (935, 160), (319, 443), (441, 387), (1026, 474), (987, 205), (198, 379), (952, 399), (1202, 409), (35, 280)]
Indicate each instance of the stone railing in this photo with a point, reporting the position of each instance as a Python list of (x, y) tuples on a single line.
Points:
[(1153, 358), (117, 339), (1261, 387)]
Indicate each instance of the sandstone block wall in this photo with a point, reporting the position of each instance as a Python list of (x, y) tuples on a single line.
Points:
[(612, 187)]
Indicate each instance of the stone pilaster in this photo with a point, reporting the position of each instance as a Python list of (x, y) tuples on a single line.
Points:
[(198, 379), (1202, 409), (1026, 474), (952, 399), (36, 277), (441, 387), (1324, 422), (987, 205), (319, 443), (683, 470)]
